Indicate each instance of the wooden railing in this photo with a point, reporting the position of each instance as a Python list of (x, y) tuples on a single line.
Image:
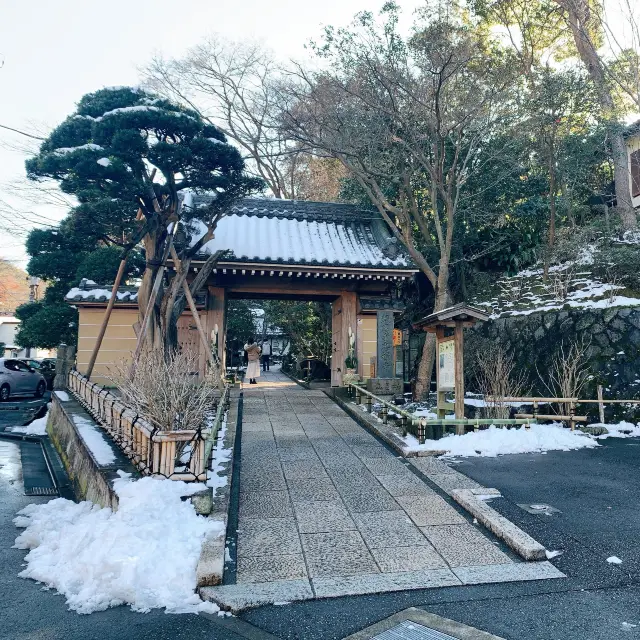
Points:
[(178, 455), (422, 427)]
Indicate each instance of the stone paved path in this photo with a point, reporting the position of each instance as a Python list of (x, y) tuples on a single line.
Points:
[(327, 510)]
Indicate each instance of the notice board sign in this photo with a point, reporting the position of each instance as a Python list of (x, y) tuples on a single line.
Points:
[(446, 365)]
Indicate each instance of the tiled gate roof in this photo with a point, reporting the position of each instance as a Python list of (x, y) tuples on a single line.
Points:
[(300, 232)]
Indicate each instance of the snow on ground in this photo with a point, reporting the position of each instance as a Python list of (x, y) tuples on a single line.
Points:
[(95, 440), (619, 430), (220, 455), (37, 428), (144, 555), (62, 395), (494, 441)]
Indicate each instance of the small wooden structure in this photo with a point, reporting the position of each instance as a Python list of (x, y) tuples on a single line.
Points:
[(448, 325)]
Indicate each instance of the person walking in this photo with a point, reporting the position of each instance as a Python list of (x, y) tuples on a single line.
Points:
[(266, 355), (252, 350)]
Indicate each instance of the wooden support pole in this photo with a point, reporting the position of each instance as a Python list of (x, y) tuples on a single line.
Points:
[(152, 300), (600, 404), (192, 306), (107, 316), (459, 371)]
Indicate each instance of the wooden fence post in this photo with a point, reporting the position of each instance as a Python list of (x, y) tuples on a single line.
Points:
[(600, 404)]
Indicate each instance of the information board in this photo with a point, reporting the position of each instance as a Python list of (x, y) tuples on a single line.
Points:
[(446, 366)]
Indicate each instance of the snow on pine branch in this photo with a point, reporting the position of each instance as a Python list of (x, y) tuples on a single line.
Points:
[(63, 151)]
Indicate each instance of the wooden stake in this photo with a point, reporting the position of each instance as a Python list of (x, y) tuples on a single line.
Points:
[(107, 315), (152, 300), (600, 404), (192, 305)]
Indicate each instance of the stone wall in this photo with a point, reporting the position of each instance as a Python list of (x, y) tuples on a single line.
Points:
[(613, 335)]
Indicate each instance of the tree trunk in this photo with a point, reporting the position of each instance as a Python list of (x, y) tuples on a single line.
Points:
[(551, 236), (580, 20), (425, 368)]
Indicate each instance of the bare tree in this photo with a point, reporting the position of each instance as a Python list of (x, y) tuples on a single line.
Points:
[(498, 378), (568, 373), (232, 85), (165, 392), (408, 119)]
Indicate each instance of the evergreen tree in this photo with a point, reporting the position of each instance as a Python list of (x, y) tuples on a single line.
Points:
[(127, 156)]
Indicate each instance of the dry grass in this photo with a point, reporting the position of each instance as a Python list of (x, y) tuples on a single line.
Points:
[(167, 393)]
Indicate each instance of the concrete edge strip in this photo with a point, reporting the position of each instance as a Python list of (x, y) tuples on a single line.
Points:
[(429, 620), (210, 567), (522, 543)]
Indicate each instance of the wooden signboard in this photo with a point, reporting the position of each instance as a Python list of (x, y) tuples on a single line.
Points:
[(446, 376)]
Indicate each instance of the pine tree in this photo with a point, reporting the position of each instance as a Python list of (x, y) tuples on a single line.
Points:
[(127, 156)]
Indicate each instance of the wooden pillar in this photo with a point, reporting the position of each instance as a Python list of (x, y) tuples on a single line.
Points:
[(217, 315), (343, 318), (337, 357), (459, 370)]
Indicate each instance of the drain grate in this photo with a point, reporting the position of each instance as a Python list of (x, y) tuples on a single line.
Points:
[(40, 491), (412, 631)]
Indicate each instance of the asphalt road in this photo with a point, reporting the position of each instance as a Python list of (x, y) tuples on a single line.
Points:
[(595, 490)]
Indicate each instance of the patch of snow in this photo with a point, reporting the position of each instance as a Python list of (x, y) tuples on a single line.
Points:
[(62, 395), (95, 440), (220, 456), (215, 141), (552, 554), (144, 554), (62, 151), (619, 430), (37, 428), (614, 560), (104, 162), (494, 441)]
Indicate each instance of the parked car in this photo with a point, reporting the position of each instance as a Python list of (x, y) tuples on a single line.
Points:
[(18, 378), (46, 367)]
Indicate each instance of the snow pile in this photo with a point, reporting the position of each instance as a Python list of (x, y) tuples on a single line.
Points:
[(95, 440), (37, 428), (619, 430), (145, 554), (493, 441), (63, 396)]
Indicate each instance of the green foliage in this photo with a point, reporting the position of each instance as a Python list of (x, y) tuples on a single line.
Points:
[(122, 152), (45, 326), (308, 325), (2, 349), (102, 265), (240, 322)]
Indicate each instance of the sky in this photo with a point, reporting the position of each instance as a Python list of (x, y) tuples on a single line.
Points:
[(53, 52)]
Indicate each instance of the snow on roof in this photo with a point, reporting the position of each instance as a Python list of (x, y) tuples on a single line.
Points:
[(301, 232), (9, 320), (89, 291)]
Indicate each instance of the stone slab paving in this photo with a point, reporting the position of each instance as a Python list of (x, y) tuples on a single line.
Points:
[(325, 510)]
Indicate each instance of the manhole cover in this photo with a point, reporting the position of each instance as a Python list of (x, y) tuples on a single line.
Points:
[(539, 508), (412, 631)]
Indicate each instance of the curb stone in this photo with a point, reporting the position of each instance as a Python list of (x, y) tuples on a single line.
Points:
[(522, 543)]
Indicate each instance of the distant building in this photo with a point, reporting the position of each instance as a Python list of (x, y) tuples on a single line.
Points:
[(633, 148), (8, 328)]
